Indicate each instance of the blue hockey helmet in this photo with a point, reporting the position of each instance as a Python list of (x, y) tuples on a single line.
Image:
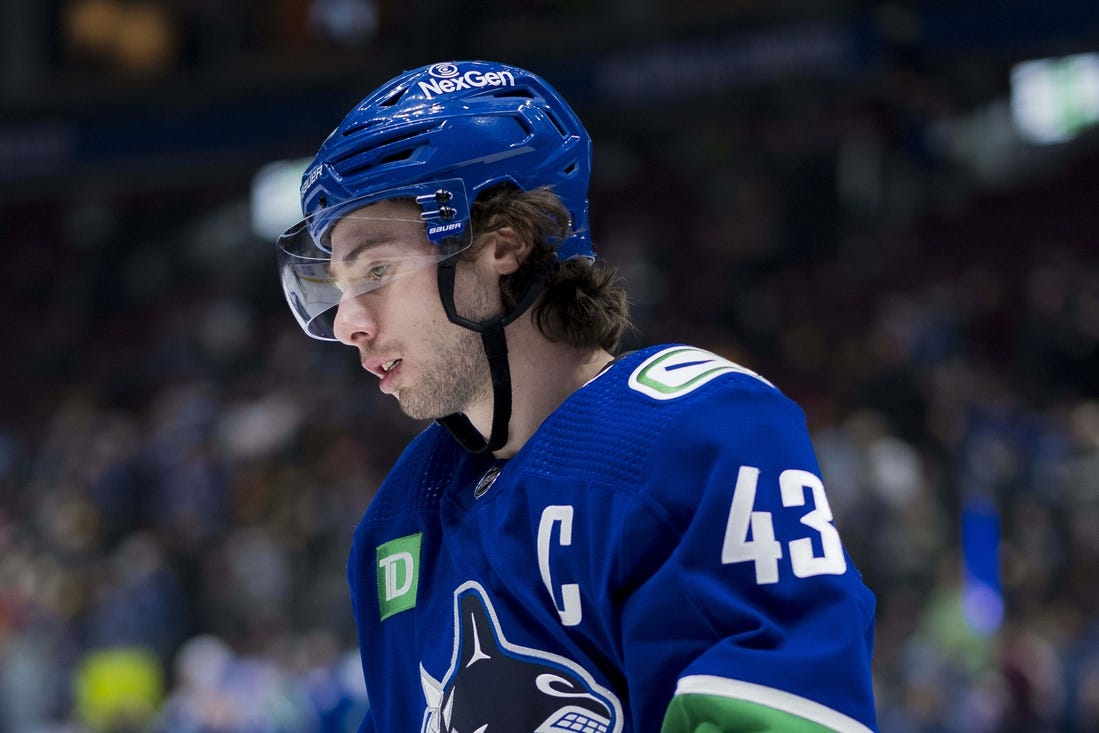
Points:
[(481, 122), (439, 135)]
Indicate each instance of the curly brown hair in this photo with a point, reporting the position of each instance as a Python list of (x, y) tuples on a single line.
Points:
[(583, 302)]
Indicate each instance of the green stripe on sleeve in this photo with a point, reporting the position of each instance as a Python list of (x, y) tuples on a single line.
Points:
[(716, 705)]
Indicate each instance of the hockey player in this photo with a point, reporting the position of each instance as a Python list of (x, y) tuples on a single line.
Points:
[(580, 542)]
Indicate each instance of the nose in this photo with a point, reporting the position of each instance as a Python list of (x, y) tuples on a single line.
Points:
[(354, 322)]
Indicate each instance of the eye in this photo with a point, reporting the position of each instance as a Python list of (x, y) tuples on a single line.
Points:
[(378, 272)]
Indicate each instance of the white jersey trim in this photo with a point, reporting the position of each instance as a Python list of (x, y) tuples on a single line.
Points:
[(772, 698)]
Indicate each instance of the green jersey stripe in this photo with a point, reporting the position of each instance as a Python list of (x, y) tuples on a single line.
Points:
[(702, 698)]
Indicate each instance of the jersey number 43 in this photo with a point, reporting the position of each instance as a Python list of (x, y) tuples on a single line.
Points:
[(763, 549)]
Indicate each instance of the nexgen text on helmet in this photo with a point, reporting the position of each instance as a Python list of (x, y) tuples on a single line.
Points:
[(468, 80)]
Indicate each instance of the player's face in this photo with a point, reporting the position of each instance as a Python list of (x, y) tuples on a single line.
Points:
[(433, 367)]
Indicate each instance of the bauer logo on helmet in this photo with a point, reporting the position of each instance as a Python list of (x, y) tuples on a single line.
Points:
[(433, 231), (311, 178)]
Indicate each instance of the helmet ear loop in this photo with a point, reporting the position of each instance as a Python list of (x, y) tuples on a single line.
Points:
[(496, 350)]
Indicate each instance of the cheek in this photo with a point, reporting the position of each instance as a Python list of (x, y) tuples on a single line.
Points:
[(419, 308), (477, 295), (422, 319)]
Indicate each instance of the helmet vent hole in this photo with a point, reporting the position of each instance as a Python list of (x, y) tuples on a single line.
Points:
[(359, 128), (396, 157), (393, 99), (556, 122), (510, 92), (523, 125), (570, 169)]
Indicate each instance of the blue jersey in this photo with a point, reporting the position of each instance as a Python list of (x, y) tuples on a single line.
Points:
[(660, 554)]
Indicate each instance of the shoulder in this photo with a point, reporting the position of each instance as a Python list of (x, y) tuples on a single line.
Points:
[(651, 405), (686, 391), (715, 417)]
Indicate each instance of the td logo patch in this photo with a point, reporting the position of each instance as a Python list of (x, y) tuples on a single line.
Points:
[(680, 370), (398, 574)]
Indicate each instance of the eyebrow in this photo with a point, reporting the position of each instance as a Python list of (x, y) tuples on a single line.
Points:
[(354, 253), (367, 242), (376, 237)]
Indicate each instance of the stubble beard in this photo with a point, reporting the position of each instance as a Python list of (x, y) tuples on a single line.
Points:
[(456, 378)]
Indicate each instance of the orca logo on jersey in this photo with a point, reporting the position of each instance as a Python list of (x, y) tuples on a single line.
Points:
[(495, 686), (680, 370)]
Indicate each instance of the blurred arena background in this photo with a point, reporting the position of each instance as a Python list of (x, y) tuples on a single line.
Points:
[(887, 208)]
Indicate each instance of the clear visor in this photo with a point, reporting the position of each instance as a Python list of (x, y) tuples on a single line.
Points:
[(366, 244)]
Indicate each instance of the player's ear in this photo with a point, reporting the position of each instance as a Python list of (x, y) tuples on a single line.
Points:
[(504, 246)]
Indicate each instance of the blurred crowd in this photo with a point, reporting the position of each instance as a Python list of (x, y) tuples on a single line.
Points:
[(181, 469)]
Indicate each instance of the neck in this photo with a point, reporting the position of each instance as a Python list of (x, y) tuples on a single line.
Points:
[(543, 375)]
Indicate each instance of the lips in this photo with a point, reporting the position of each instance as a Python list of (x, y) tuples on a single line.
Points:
[(379, 367), (384, 369)]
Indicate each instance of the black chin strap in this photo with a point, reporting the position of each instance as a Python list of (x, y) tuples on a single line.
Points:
[(496, 349)]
